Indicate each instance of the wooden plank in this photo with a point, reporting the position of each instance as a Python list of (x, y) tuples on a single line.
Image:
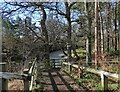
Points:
[(30, 64), (104, 75), (4, 82), (57, 59), (26, 81), (99, 72), (7, 75), (33, 78), (31, 72), (57, 62), (32, 67), (115, 76), (104, 82), (66, 63), (31, 83), (75, 66), (112, 75)]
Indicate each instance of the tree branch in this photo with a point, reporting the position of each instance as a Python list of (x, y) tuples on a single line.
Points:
[(72, 4), (77, 20), (36, 34), (9, 12), (56, 9)]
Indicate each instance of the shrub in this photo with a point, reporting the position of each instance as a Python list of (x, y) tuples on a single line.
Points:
[(114, 53)]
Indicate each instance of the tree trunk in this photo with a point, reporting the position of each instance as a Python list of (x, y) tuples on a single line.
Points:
[(26, 37), (115, 24), (68, 31), (88, 45), (67, 15), (96, 34), (45, 34), (88, 40), (119, 25), (101, 30), (107, 26)]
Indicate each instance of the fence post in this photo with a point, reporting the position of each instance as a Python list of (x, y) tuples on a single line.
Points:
[(30, 64), (70, 67), (26, 81), (35, 73), (104, 82), (3, 82), (54, 63), (62, 65), (61, 62)]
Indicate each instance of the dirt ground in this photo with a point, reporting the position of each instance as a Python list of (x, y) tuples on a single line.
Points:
[(15, 85)]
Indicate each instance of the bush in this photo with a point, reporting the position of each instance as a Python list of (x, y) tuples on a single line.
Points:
[(114, 53)]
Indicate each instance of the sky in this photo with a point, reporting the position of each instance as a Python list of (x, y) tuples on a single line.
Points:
[(55, 0), (36, 16)]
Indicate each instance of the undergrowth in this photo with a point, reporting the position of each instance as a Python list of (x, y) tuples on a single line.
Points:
[(92, 81)]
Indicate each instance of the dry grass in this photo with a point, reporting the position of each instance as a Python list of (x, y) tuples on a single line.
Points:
[(15, 85)]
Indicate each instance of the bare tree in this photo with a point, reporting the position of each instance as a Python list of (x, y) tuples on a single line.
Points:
[(115, 24), (101, 30), (67, 15), (45, 33), (96, 33), (108, 25), (88, 41)]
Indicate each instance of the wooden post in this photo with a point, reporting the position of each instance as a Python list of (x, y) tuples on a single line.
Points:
[(53, 63), (26, 81), (35, 74), (80, 71), (119, 85), (104, 82), (61, 62), (30, 64), (70, 68), (3, 82), (63, 65)]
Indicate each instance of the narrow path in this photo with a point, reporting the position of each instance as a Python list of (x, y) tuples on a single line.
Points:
[(58, 81)]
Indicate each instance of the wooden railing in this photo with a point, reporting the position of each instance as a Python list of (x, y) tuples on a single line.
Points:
[(104, 75), (28, 76), (56, 62), (31, 72)]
